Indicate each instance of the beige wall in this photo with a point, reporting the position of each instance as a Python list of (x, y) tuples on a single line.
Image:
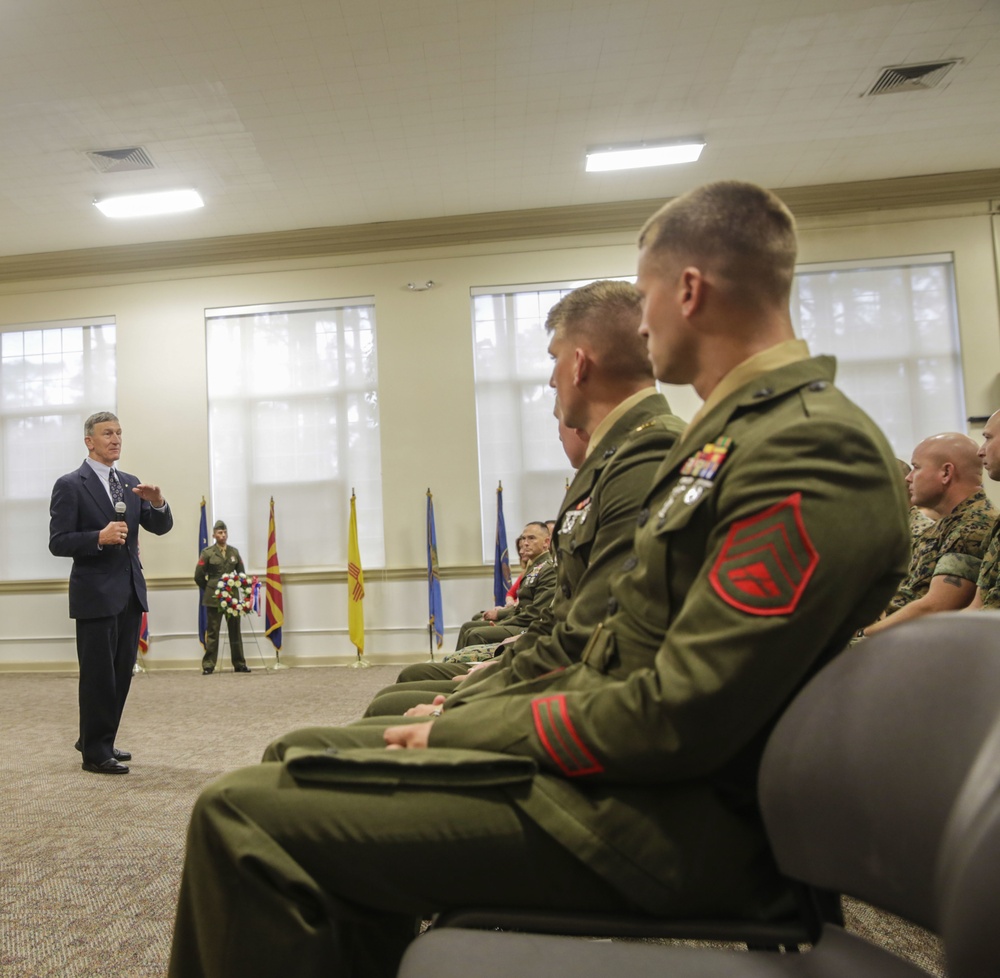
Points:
[(426, 385)]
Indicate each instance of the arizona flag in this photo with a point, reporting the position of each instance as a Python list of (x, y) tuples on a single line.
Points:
[(501, 562), (355, 585), (274, 615), (144, 633), (434, 610), (202, 544)]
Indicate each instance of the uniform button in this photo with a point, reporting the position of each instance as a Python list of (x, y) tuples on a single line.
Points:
[(612, 605), (764, 392), (631, 563), (572, 547), (643, 516), (566, 590), (609, 452), (818, 385)]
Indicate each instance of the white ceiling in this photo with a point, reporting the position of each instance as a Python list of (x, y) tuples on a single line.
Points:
[(291, 114)]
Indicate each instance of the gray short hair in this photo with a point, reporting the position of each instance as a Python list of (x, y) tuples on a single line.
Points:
[(96, 419)]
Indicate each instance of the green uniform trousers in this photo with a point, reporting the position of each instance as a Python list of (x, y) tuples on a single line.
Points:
[(213, 625), (306, 880), (395, 700)]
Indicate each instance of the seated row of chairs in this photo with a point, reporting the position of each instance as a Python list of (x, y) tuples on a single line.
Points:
[(881, 781)]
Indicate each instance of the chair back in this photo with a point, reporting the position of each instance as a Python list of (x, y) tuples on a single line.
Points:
[(875, 782)]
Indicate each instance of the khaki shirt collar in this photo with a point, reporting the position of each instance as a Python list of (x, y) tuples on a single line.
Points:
[(774, 357), (611, 418)]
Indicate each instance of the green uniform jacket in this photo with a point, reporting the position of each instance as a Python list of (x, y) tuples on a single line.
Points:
[(773, 531), (952, 545), (533, 596), (211, 566), (593, 536)]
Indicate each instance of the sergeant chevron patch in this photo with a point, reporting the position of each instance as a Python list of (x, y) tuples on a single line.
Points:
[(559, 738), (766, 561)]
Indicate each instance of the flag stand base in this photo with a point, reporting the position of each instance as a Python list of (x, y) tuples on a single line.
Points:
[(138, 667), (278, 664), (360, 663)]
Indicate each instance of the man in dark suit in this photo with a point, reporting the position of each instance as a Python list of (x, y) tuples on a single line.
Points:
[(95, 515)]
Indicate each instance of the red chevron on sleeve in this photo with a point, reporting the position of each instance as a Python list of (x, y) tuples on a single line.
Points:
[(559, 737), (766, 561)]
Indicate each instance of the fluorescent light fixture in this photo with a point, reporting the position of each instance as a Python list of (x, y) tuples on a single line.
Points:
[(643, 154), (143, 205)]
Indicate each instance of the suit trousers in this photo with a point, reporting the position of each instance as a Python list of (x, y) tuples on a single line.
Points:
[(213, 625), (307, 880), (106, 649)]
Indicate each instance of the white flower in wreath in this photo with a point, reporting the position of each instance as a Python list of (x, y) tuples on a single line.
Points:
[(234, 594)]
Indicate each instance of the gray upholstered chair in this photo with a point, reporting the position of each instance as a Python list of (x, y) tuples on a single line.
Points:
[(882, 781)]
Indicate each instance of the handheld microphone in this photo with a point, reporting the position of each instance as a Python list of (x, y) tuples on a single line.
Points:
[(120, 513)]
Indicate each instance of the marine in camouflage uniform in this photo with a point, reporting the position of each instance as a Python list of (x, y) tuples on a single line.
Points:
[(988, 584), (952, 546)]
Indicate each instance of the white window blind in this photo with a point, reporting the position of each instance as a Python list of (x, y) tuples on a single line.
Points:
[(518, 437), (293, 414), (53, 376), (893, 326)]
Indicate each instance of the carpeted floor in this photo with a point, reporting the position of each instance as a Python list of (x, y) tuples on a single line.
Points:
[(89, 864)]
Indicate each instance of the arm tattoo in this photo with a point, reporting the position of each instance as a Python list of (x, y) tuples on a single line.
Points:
[(953, 581)]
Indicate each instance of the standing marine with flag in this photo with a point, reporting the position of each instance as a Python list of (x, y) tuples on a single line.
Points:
[(355, 587)]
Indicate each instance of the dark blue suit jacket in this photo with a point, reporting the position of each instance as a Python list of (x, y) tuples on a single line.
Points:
[(102, 579)]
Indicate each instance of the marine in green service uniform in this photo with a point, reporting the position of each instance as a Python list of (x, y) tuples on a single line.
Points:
[(538, 583), (213, 562), (625, 780)]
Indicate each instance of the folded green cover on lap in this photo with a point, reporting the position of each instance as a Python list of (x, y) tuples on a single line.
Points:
[(432, 767)]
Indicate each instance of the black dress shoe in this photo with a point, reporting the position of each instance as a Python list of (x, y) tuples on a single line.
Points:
[(118, 755), (243, 668), (110, 766), (206, 672)]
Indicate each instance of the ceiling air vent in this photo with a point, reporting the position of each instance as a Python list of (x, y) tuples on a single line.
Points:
[(911, 78), (120, 160)]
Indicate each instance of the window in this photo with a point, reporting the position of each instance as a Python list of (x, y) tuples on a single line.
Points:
[(893, 326), (518, 437), (53, 376), (293, 414)]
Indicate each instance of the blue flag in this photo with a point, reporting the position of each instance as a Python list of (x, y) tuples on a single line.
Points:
[(435, 610), (501, 562), (202, 544)]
